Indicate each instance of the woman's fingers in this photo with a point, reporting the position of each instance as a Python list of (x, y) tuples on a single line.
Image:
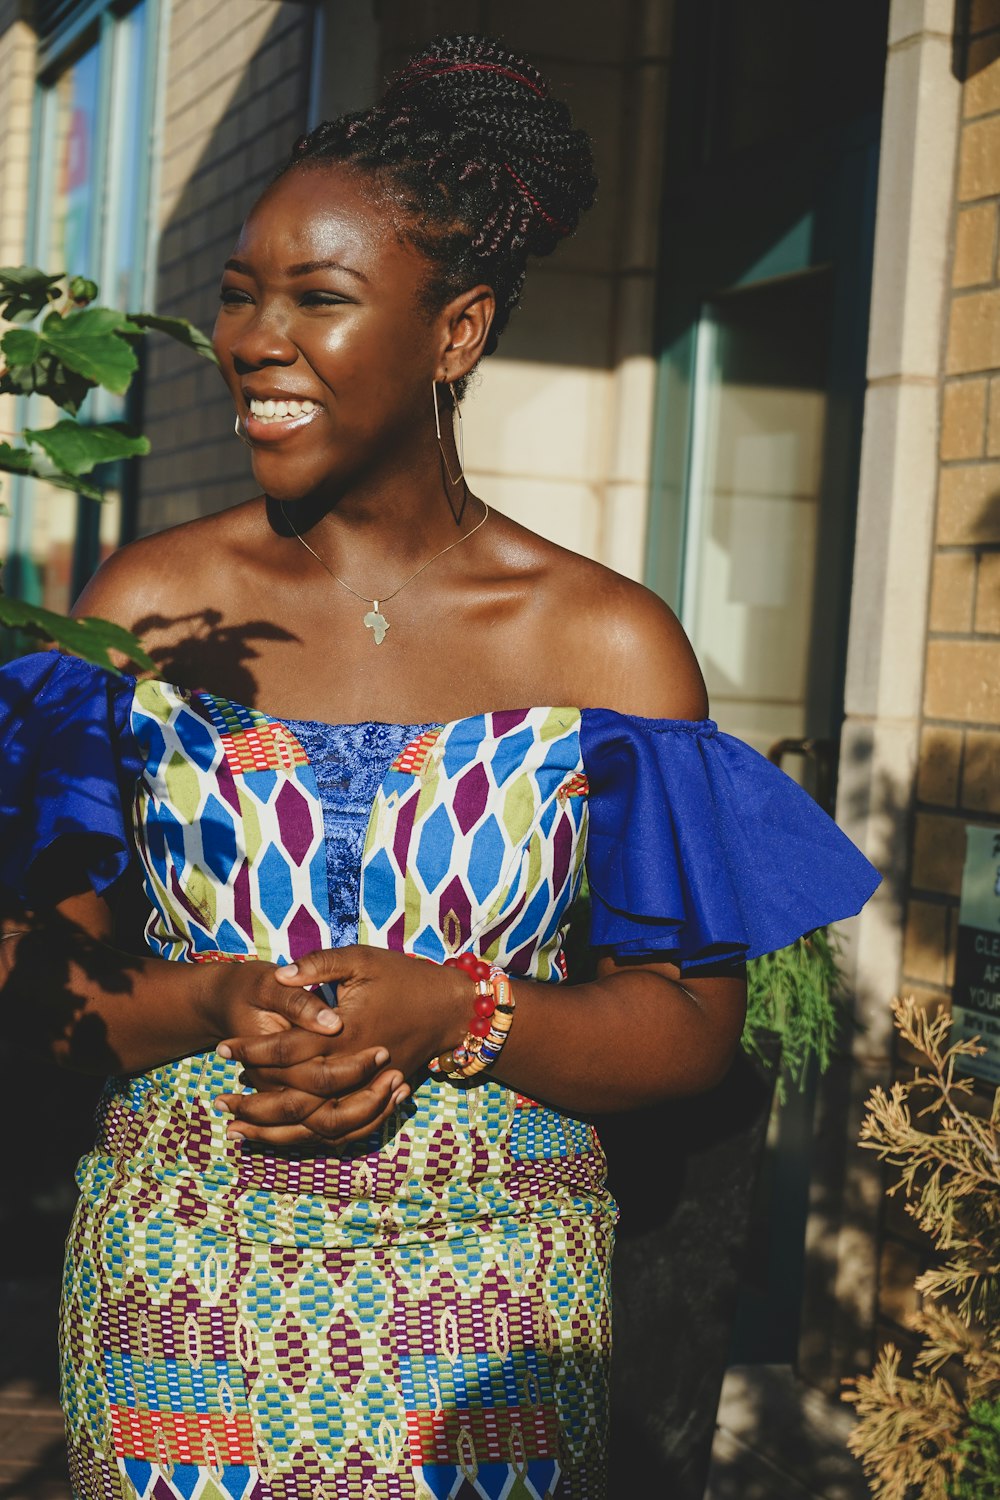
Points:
[(337, 1121), (361, 1133), (311, 1012), (322, 1076), (325, 966), (335, 1076), (278, 1049)]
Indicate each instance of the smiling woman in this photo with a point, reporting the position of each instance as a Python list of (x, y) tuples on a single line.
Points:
[(345, 1230)]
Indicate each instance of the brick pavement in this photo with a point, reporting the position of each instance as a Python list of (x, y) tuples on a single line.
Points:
[(32, 1452)]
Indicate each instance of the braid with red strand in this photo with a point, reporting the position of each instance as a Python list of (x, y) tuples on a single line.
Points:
[(487, 165)]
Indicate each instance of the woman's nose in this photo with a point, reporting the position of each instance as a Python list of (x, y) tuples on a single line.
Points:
[(262, 342)]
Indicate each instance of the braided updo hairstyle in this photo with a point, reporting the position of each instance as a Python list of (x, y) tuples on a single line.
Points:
[(485, 165)]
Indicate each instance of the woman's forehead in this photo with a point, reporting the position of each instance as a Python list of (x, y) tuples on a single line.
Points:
[(322, 214)]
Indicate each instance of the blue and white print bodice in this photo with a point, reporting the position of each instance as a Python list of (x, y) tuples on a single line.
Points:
[(474, 834)]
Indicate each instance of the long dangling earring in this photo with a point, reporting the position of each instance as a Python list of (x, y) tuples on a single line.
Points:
[(459, 439), (240, 433)]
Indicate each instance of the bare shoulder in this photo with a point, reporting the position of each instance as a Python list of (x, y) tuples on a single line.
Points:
[(148, 583), (622, 647), (636, 658)]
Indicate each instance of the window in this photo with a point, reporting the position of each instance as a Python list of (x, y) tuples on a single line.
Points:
[(95, 113)]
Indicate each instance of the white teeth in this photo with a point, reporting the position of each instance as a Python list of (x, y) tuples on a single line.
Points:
[(281, 411)]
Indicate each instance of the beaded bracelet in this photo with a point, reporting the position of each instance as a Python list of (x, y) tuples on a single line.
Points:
[(492, 1019)]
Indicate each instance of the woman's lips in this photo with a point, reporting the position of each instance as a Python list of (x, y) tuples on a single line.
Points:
[(267, 421)]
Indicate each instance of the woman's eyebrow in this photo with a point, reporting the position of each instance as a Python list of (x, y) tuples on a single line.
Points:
[(307, 267), (304, 268)]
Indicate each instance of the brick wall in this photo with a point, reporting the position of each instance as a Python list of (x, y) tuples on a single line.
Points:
[(237, 84), (958, 774), (17, 80)]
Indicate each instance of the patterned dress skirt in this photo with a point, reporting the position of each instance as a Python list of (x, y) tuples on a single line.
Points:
[(427, 1318), (426, 1315)]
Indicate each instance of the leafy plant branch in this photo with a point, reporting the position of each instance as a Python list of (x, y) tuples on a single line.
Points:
[(796, 994), (60, 345)]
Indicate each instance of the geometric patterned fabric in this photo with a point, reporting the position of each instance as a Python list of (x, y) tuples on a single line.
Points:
[(426, 1315)]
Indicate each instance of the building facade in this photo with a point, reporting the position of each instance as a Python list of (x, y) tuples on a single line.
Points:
[(764, 378)]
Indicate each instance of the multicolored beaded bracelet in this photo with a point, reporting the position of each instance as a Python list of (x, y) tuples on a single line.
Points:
[(494, 1014)]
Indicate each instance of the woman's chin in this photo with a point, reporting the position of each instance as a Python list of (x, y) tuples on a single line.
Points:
[(281, 482)]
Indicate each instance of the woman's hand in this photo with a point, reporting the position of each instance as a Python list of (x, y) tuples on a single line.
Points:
[(311, 1088), (246, 998), (249, 999)]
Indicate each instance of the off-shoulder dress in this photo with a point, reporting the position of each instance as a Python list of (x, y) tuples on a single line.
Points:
[(426, 1315)]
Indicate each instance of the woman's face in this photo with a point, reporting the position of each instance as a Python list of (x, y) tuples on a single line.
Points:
[(321, 312)]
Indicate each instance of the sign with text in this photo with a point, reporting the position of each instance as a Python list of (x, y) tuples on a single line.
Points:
[(976, 996)]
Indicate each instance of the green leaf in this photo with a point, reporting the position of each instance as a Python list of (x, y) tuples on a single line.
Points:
[(89, 638), (82, 290), (25, 291), (15, 460), (31, 367), (76, 449), (91, 343), (63, 385), (21, 346), (180, 329), (21, 461)]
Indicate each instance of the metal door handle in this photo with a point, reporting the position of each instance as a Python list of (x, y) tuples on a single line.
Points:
[(822, 753)]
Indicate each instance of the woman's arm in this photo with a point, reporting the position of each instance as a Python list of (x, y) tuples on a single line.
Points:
[(635, 1035), (67, 992)]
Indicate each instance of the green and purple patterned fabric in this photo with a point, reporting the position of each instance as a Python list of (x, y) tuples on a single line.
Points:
[(427, 1314)]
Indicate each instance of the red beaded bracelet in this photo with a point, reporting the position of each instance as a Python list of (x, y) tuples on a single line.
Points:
[(493, 1013)]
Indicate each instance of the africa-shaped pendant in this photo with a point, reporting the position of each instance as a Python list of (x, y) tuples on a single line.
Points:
[(377, 623)]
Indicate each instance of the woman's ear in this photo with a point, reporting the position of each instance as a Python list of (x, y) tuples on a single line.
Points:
[(466, 323)]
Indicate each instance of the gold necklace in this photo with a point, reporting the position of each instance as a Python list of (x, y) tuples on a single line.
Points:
[(375, 620)]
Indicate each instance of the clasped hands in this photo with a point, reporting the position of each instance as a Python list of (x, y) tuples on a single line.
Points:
[(323, 1075)]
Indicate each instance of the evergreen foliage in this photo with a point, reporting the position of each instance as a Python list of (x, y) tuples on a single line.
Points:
[(794, 994), (935, 1434)]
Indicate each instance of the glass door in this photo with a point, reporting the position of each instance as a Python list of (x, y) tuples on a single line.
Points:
[(755, 491), (769, 210)]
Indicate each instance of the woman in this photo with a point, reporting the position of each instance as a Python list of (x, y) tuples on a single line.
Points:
[(342, 1250)]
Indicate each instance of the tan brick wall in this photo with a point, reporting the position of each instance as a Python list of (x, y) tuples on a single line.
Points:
[(237, 83), (958, 777), (17, 80)]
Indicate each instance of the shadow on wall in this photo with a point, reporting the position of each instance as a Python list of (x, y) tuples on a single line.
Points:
[(846, 1182)]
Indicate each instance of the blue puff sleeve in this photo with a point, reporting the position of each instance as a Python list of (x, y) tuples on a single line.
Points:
[(699, 846), (68, 768)]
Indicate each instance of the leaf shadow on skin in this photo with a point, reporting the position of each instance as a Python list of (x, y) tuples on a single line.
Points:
[(208, 652)]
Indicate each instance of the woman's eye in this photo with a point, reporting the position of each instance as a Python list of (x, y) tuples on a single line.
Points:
[(321, 299), (230, 295)]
